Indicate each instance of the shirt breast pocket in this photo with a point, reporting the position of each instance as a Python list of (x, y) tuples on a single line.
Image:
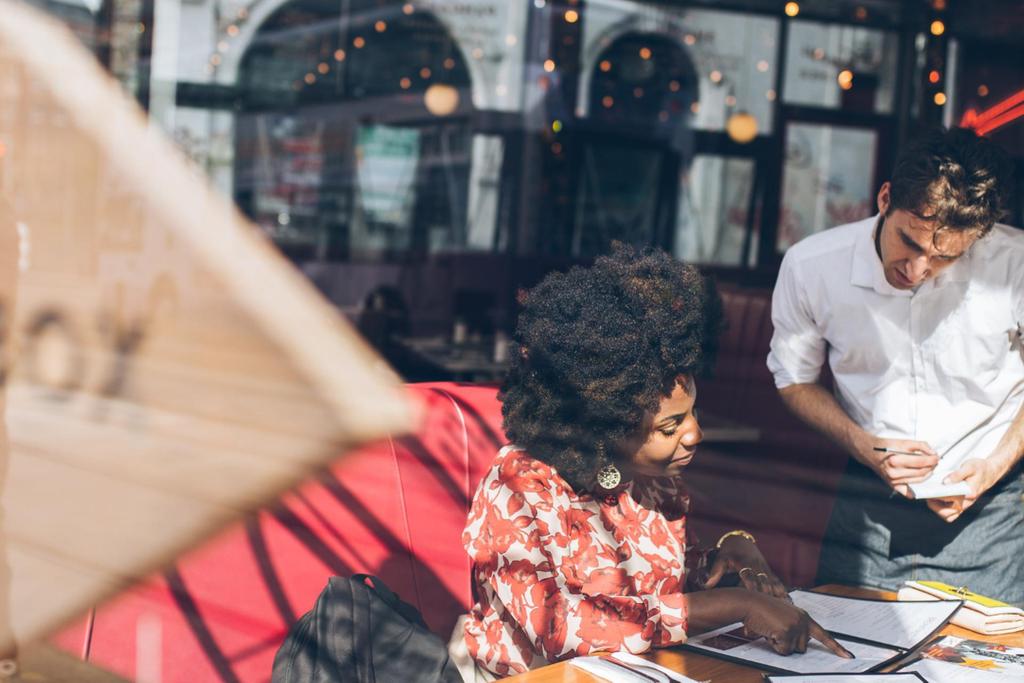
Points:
[(973, 351)]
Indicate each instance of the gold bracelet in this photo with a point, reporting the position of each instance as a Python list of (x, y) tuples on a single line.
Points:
[(735, 532)]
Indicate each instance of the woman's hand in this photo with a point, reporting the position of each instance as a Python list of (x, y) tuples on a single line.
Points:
[(740, 556), (786, 627)]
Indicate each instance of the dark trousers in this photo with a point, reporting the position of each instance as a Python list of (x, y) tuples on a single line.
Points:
[(877, 540)]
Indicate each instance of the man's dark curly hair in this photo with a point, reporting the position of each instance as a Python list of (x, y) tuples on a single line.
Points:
[(953, 177), (597, 350)]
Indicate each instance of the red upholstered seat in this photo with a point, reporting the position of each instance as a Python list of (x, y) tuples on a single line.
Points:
[(395, 509), (781, 487)]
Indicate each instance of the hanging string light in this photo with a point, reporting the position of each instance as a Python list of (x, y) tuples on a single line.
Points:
[(741, 127), (441, 99)]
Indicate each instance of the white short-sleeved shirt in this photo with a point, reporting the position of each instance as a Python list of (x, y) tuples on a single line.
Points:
[(941, 364)]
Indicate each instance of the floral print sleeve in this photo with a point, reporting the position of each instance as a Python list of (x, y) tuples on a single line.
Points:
[(557, 575)]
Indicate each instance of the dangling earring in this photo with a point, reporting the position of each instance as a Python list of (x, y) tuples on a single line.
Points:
[(608, 477)]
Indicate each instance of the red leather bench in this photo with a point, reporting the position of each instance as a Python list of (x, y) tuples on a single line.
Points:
[(782, 486)]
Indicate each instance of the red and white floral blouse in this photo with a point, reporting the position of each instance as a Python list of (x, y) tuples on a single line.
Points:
[(557, 574)]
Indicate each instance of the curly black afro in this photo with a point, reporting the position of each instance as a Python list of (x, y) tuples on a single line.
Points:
[(598, 349)]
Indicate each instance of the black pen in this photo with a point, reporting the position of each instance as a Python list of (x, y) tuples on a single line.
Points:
[(891, 451), (883, 449)]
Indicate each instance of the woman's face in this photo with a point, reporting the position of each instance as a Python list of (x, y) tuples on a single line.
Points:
[(674, 435)]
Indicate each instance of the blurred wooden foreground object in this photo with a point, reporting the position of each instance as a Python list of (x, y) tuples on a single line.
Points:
[(164, 369)]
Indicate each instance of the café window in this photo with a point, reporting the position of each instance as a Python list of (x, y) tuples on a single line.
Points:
[(717, 221), (354, 140), (733, 55), (828, 179), (672, 77), (850, 68)]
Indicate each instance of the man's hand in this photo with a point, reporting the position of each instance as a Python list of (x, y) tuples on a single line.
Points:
[(739, 556), (980, 475), (898, 470)]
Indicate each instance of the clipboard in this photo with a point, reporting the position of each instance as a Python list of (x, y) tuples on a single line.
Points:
[(730, 644)]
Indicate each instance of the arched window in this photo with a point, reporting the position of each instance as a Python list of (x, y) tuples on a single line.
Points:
[(353, 138), (643, 79), (642, 88)]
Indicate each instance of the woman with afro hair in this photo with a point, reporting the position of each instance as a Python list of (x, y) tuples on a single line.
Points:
[(577, 533)]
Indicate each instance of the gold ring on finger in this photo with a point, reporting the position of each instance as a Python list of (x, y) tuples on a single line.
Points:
[(746, 569), (760, 574)]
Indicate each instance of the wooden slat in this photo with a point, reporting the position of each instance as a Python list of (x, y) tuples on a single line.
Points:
[(165, 370)]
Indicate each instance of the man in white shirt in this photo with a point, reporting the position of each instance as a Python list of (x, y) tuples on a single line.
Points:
[(919, 311)]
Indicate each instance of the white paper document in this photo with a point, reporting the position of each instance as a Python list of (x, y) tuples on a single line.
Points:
[(934, 488), (903, 625), (622, 667), (847, 678), (607, 671), (730, 642), (646, 665)]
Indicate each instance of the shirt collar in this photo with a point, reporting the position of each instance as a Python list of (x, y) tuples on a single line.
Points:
[(867, 270)]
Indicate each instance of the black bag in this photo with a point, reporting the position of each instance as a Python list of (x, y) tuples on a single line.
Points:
[(359, 631)]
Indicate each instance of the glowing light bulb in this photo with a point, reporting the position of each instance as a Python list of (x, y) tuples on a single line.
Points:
[(741, 127), (441, 99)]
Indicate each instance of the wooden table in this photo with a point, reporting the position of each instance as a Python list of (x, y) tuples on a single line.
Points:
[(702, 668)]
